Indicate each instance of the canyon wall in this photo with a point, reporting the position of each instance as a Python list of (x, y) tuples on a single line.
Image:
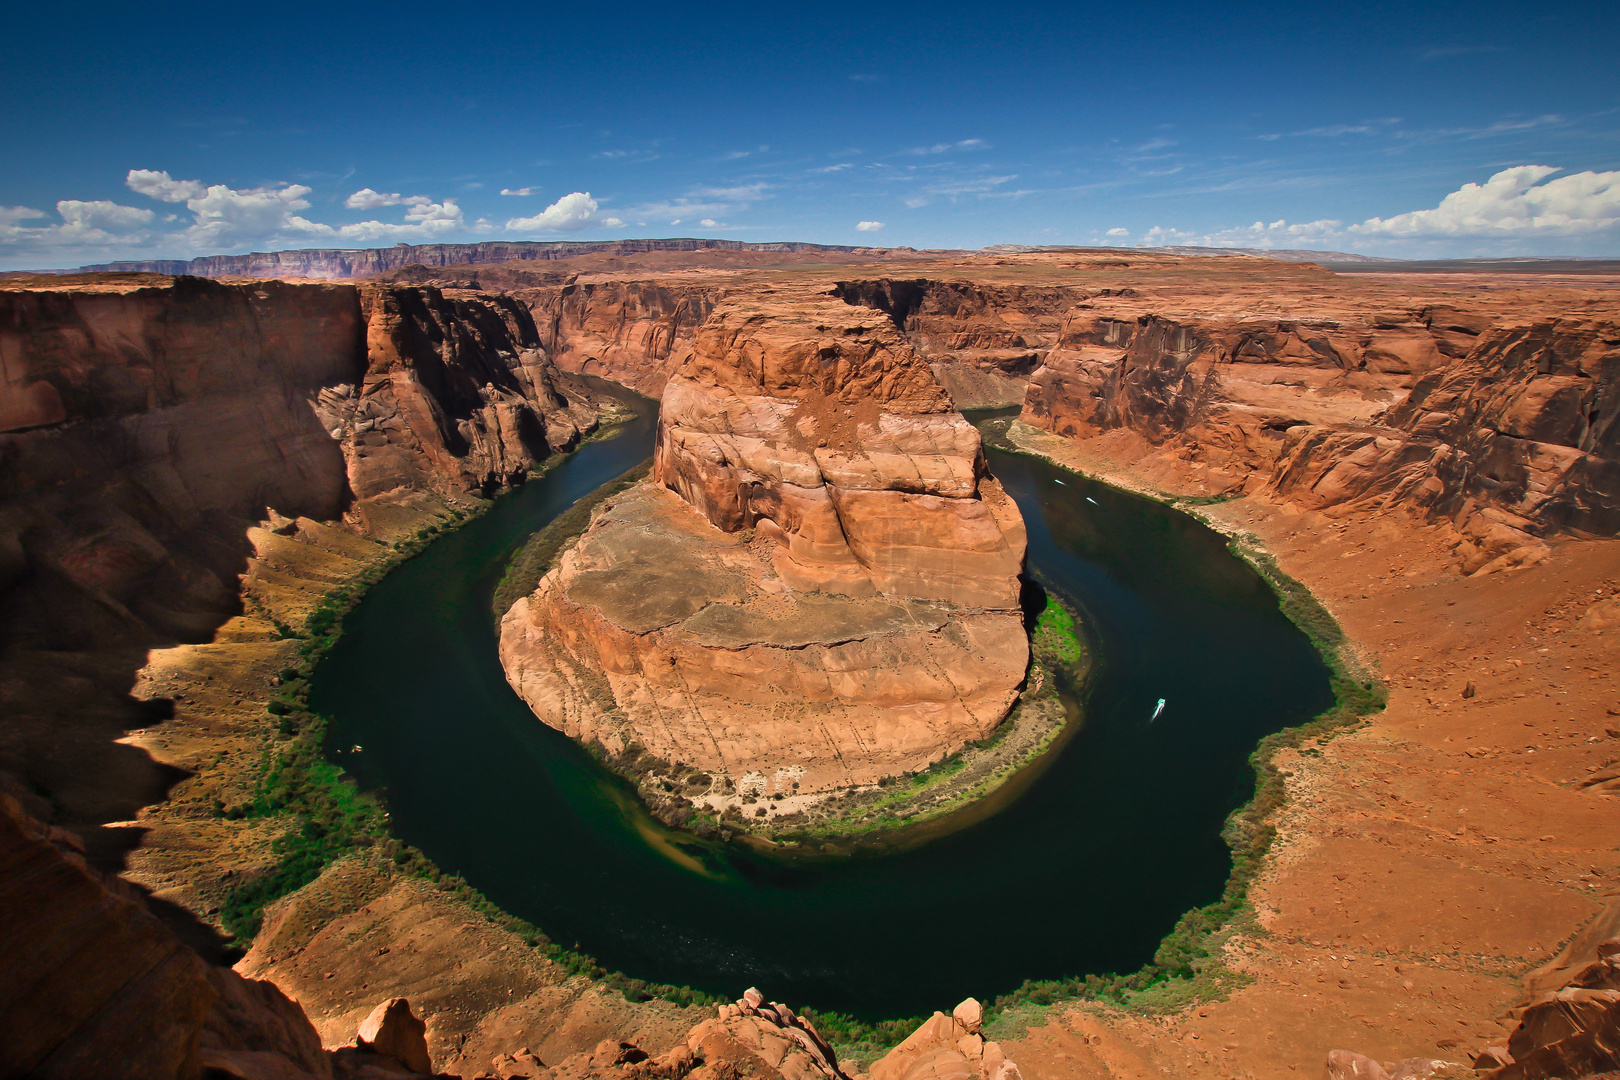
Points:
[(982, 340), (150, 424), (637, 333), (820, 587), (1508, 431)]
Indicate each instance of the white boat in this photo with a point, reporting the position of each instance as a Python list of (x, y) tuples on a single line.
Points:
[(1092, 501), (1156, 711), (1055, 480)]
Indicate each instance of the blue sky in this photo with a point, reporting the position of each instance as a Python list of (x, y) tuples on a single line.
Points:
[(1425, 130)]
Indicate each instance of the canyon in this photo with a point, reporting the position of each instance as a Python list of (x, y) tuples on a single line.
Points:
[(816, 589), (190, 466)]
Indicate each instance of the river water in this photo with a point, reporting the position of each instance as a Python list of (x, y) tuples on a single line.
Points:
[(1085, 872)]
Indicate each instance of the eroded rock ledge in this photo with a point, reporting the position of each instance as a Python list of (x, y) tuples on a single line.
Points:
[(819, 587)]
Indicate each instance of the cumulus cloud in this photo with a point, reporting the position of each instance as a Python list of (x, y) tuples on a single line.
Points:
[(10, 215), (1117, 232), (102, 216), (1513, 203), (868, 226), (1516, 211), (522, 191), (224, 217), (710, 223), (571, 213), (162, 187), (366, 199), (84, 223), (1279, 233)]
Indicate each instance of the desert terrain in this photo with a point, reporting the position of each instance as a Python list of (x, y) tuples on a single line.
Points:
[(1434, 456)]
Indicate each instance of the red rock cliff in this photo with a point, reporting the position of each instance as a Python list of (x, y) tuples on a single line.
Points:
[(821, 588)]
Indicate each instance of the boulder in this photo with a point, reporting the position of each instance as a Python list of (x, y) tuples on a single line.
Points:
[(943, 1047), (393, 1030), (1567, 1033)]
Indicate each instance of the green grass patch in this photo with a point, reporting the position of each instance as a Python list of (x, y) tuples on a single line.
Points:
[(1057, 636)]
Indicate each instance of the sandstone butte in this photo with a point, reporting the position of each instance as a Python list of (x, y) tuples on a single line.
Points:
[(817, 588), (188, 464)]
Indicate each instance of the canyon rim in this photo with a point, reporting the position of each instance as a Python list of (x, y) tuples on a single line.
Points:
[(200, 474)]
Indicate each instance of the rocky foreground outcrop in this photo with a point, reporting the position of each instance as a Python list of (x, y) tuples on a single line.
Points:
[(820, 587), (97, 987), (1570, 1032)]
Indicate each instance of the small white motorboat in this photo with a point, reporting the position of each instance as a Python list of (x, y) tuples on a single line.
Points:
[(1159, 708)]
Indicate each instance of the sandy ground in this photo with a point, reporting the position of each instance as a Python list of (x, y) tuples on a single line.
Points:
[(1428, 862)]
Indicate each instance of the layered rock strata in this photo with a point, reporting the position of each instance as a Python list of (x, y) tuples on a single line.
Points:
[(1510, 432), (820, 587), (637, 333), (148, 426)]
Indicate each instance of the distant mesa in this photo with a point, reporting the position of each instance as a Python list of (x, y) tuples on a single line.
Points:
[(366, 262)]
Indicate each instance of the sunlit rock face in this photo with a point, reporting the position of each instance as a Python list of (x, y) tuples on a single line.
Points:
[(816, 423), (817, 588)]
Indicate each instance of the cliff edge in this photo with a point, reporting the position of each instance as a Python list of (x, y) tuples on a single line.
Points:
[(817, 589)]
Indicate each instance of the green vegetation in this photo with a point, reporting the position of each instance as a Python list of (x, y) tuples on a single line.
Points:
[(329, 818), (1057, 636), (1188, 966), (861, 1041), (535, 557)]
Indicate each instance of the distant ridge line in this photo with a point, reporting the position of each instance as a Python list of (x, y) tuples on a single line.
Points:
[(365, 262)]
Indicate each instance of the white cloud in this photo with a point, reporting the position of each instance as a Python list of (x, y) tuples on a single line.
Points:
[(84, 224), (520, 191), (1259, 235), (10, 215), (162, 187), (868, 226), (710, 223), (571, 213), (943, 148), (366, 199), (1513, 203), (1117, 232), (101, 214), (741, 193), (224, 217), (1516, 211)]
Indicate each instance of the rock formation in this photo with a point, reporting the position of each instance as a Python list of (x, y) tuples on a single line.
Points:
[(982, 341), (1510, 432), (159, 436), (151, 424), (821, 589), (1570, 1032), (943, 1046), (638, 333)]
